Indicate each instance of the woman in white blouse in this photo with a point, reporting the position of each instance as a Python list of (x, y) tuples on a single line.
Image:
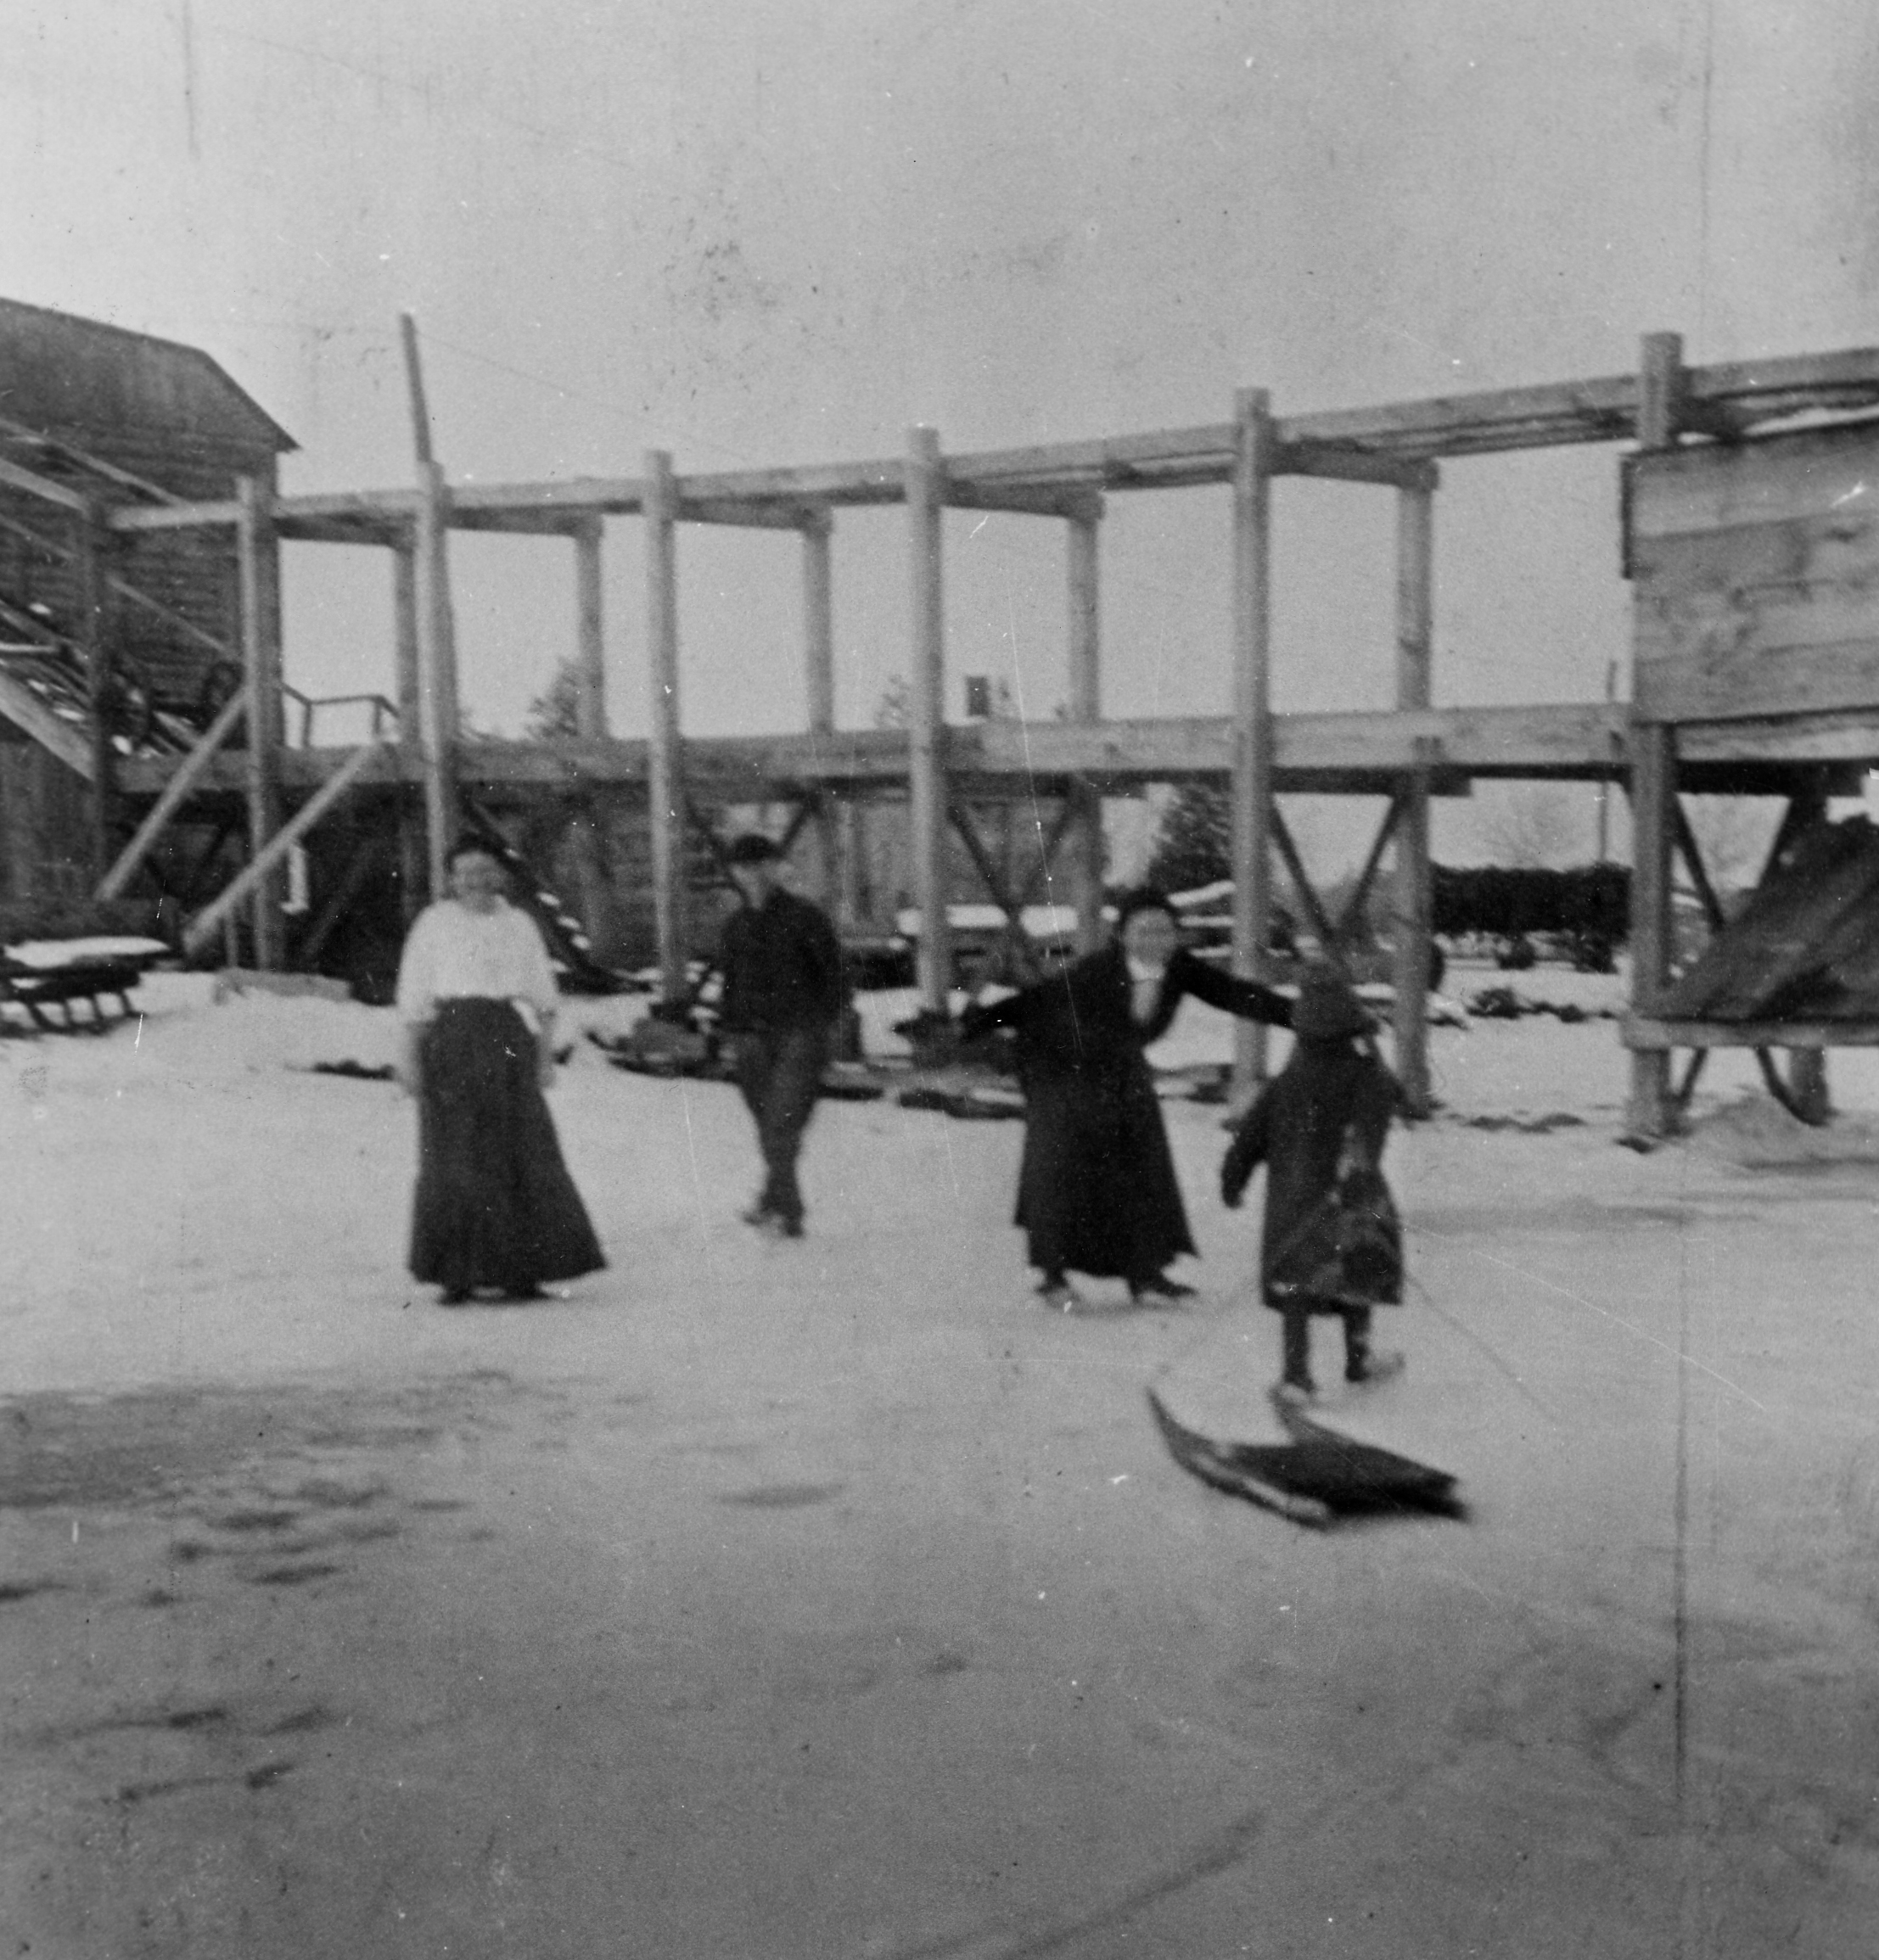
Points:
[(495, 1207)]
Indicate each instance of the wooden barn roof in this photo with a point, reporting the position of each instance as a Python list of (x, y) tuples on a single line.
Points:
[(1804, 947), (58, 372)]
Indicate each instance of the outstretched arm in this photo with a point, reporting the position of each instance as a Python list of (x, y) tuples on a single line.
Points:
[(1247, 999)]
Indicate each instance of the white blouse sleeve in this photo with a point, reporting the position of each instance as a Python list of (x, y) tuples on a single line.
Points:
[(540, 991), (417, 996)]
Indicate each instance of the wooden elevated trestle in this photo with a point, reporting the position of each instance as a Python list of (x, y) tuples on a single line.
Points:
[(1407, 754)]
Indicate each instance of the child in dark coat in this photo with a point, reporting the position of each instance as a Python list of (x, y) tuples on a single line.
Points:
[(1330, 1242)]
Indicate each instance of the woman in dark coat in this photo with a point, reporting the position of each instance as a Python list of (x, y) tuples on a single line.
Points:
[(494, 1205), (1096, 1192), (1330, 1242)]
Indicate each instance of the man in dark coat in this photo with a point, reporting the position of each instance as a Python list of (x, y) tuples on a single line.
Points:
[(1096, 1191), (783, 995), (1330, 1243)]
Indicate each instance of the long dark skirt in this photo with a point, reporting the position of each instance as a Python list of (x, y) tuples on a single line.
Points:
[(1096, 1191), (495, 1204)]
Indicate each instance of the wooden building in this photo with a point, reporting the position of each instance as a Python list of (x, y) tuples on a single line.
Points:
[(112, 645)]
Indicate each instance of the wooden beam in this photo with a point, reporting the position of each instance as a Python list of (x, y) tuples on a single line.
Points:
[(1597, 411), (1037, 882), (194, 765), (121, 588), (196, 879), (1647, 1034), (927, 785), (112, 473), (414, 383), (590, 637), (1352, 912), (1083, 804), (1320, 919), (98, 639), (1411, 904), (1015, 499), (1650, 1111), (570, 496), (407, 689), (47, 489), (747, 512), (439, 718), (1358, 753), (140, 517), (1344, 462), (207, 923), (352, 881), (1363, 444), (26, 711), (1255, 446), (258, 569), (819, 686), (990, 875), (665, 792), (1692, 853)]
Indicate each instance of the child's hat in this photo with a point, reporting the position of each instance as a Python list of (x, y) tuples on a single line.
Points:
[(1328, 1009)]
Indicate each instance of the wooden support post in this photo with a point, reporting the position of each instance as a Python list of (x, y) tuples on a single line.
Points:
[(406, 690), (588, 835), (590, 648), (258, 561), (665, 772), (1255, 446), (1084, 703), (926, 728), (1810, 1095), (439, 718), (91, 575), (1650, 1112), (413, 855), (1411, 906), (825, 871)]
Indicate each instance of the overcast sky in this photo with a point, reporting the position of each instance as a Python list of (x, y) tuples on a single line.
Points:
[(766, 232)]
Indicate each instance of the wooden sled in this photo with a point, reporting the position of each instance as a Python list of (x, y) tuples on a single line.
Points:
[(38, 989), (1316, 1478)]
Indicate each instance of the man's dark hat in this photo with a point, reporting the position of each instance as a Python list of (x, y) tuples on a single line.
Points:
[(753, 847), (1144, 898), (1328, 1009)]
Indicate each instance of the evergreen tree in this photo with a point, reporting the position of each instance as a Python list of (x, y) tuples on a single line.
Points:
[(1194, 840), (554, 713)]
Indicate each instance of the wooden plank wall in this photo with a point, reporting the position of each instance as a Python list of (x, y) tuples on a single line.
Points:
[(45, 826), (1756, 576)]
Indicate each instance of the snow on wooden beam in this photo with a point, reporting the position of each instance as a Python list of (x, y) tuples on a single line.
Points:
[(26, 711), (175, 516)]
